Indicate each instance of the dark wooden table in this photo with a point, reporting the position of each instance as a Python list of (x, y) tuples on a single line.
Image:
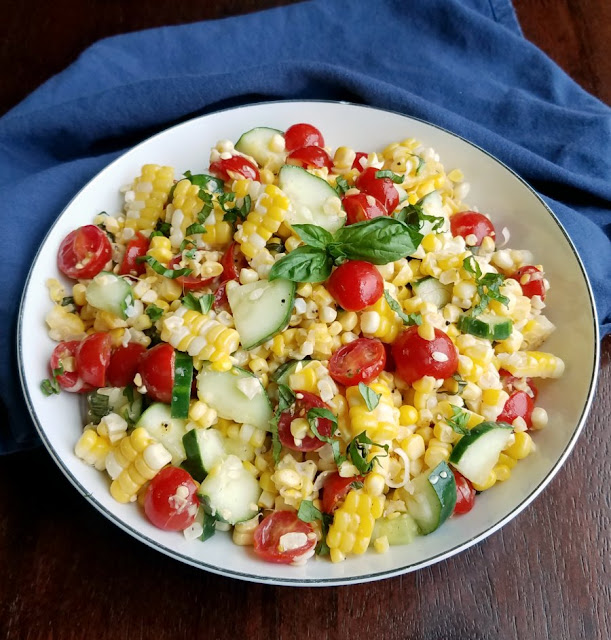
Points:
[(65, 572)]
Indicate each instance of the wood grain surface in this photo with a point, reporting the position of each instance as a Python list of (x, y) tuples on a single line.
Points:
[(65, 572)]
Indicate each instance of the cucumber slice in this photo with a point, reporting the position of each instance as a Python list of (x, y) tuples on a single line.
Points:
[(229, 492), (432, 205), (261, 309), (257, 144), (486, 326), (431, 290), (204, 449), (434, 498), (158, 422), (476, 453), (109, 292), (401, 530), (402, 193), (309, 196), (181, 390), (284, 371), (235, 395)]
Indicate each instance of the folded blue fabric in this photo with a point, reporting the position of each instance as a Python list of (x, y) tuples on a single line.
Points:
[(462, 64)]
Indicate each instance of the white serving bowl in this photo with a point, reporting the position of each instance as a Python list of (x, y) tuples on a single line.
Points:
[(494, 189)]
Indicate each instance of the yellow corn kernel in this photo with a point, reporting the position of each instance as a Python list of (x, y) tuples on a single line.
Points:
[(380, 321), (168, 290), (266, 483), (426, 433), (490, 482), (431, 242), (408, 415), (64, 325), (414, 446), (148, 196), (380, 424), (78, 293), (502, 472), (93, 448), (434, 455), (160, 248), (522, 447), (507, 461), (381, 544), (531, 364)]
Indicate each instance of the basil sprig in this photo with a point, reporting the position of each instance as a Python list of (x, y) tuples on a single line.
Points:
[(202, 303), (379, 241), (458, 421), (371, 398), (358, 450), (488, 286)]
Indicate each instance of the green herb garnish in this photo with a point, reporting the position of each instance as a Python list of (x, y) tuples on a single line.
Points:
[(459, 420), (408, 318), (202, 303), (488, 286), (358, 450), (157, 267), (371, 398)]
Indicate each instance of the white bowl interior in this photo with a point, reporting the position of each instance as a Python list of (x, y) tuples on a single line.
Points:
[(494, 189)]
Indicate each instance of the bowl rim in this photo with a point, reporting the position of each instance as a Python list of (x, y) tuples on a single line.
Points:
[(331, 581)]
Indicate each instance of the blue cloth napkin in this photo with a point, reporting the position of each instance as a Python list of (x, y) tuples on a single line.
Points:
[(462, 64)]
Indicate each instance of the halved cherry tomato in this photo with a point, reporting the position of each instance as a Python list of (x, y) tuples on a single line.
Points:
[(92, 358), (518, 405), (465, 494), (310, 158), (170, 502), (390, 361), (361, 206), (234, 168), (233, 262), (156, 368), (123, 364), (471, 223), (269, 543), (220, 297), (361, 360), (189, 283), (381, 188), (355, 285), (303, 403), (64, 355), (417, 357), (302, 135), (84, 252), (512, 383), (136, 248), (335, 489), (533, 285), (360, 156)]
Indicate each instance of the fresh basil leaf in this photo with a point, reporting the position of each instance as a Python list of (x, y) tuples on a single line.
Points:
[(99, 406), (313, 235), (202, 303), (371, 398), (395, 177), (341, 186), (185, 243), (304, 264), (162, 229), (209, 184), (357, 484), (459, 420), (154, 312), (358, 450), (157, 267), (202, 216), (408, 318), (488, 285), (413, 214), (196, 227), (308, 512), (51, 386), (67, 301), (286, 399), (462, 383), (379, 241), (313, 415), (471, 266)]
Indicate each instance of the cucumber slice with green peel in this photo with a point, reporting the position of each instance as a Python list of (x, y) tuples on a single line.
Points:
[(258, 143), (229, 492), (312, 199), (181, 390), (261, 309), (109, 292), (434, 498), (400, 530), (476, 454), (203, 527), (158, 422), (204, 449), (235, 395), (486, 326), (429, 289)]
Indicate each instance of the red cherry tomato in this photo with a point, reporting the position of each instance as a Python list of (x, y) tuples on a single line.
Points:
[(310, 158), (467, 223), (361, 360), (157, 370), (268, 537), (84, 252), (233, 262), (518, 405), (304, 402), (355, 285), (417, 357), (64, 355), (220, 297), (381, 188), (360, 156), (234, 168), (465, 494), (123, 364), (136, 248), (361, 206), (390, 361), (92, 358), (512, 383), (533, 285), (171, 500), (302, 135), (335, 489), (189, 283)]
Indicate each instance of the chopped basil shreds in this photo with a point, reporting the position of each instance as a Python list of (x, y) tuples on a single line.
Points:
[(154, 312), (488, 286), (203, 303), (408, 318), (371, 398), (358, 450), (395, 177), (459, 420), (162, 229), (67, 301), (313, 416), (99, 406), (462, 383), (341, 186), (195, 228), (309, 513), (413, 214), (276, 247), (157, 267), (51, 386), (286, 399)]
